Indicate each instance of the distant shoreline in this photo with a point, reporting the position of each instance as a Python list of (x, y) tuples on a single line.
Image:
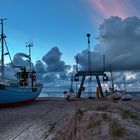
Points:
[(62, 98)]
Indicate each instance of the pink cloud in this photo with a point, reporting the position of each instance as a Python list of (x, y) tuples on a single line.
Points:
[(106, 8)]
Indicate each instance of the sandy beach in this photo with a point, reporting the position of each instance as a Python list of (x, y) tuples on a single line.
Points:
[(58, 119)]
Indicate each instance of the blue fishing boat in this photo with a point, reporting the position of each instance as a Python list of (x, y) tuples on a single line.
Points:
[(25, 89)]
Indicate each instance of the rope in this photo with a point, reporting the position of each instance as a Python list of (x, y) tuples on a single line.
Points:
[(9, 56), (117, 83)]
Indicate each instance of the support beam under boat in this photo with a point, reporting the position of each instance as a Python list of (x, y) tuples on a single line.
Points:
[(99, 85), (81, 87)]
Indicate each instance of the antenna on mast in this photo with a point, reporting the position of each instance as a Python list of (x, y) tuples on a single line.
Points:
[(29, 45), (77, 62), (89, 56), (112, 81), (104, 63), (2, 48), (124, 80)]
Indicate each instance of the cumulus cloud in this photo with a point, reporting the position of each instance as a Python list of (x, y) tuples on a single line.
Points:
[(54, 62), (50, 77), (40, 68), (18, 61), (55, 67), (21, 59), (51, 68), (119, 40), (9, 72), (96, 60)]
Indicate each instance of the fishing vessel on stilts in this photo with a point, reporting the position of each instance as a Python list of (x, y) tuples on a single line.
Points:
[(25, 88)]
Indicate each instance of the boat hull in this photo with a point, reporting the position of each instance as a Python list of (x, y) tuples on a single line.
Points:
[(17, 95)]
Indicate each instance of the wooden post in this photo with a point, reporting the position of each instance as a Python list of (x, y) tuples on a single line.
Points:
[(99, 85), (81, 87)]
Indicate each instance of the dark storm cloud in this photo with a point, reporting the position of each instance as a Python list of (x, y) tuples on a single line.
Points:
[(96, 60), (129, 78), (119, 40), (9, 72), (63, 76), (52, 68), (50, 77), (40, 67), (53, 56), (55, 77), (21, 59), (18, 60), (56, 69), (53, 61)]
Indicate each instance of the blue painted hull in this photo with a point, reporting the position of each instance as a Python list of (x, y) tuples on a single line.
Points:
[(10, 95)]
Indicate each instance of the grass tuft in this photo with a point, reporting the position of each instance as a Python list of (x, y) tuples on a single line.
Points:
[(116, 129), (127, 114), (80, 113), (106, 117), (94, 122), (101, 108)]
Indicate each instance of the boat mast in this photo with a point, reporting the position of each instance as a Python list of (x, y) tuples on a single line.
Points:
[(112, 81), (89, 55), (71, 87), (29, 45), (89, 63), (2, 49), (124, 80)]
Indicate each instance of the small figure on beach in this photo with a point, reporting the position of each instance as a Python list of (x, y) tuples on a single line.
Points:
[(67, 95), (70, 96)]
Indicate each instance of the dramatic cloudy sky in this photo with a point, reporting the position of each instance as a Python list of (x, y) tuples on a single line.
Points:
[(58, 30)]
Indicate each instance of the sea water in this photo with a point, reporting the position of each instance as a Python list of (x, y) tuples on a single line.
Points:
[(49, 90), (135, 95)]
